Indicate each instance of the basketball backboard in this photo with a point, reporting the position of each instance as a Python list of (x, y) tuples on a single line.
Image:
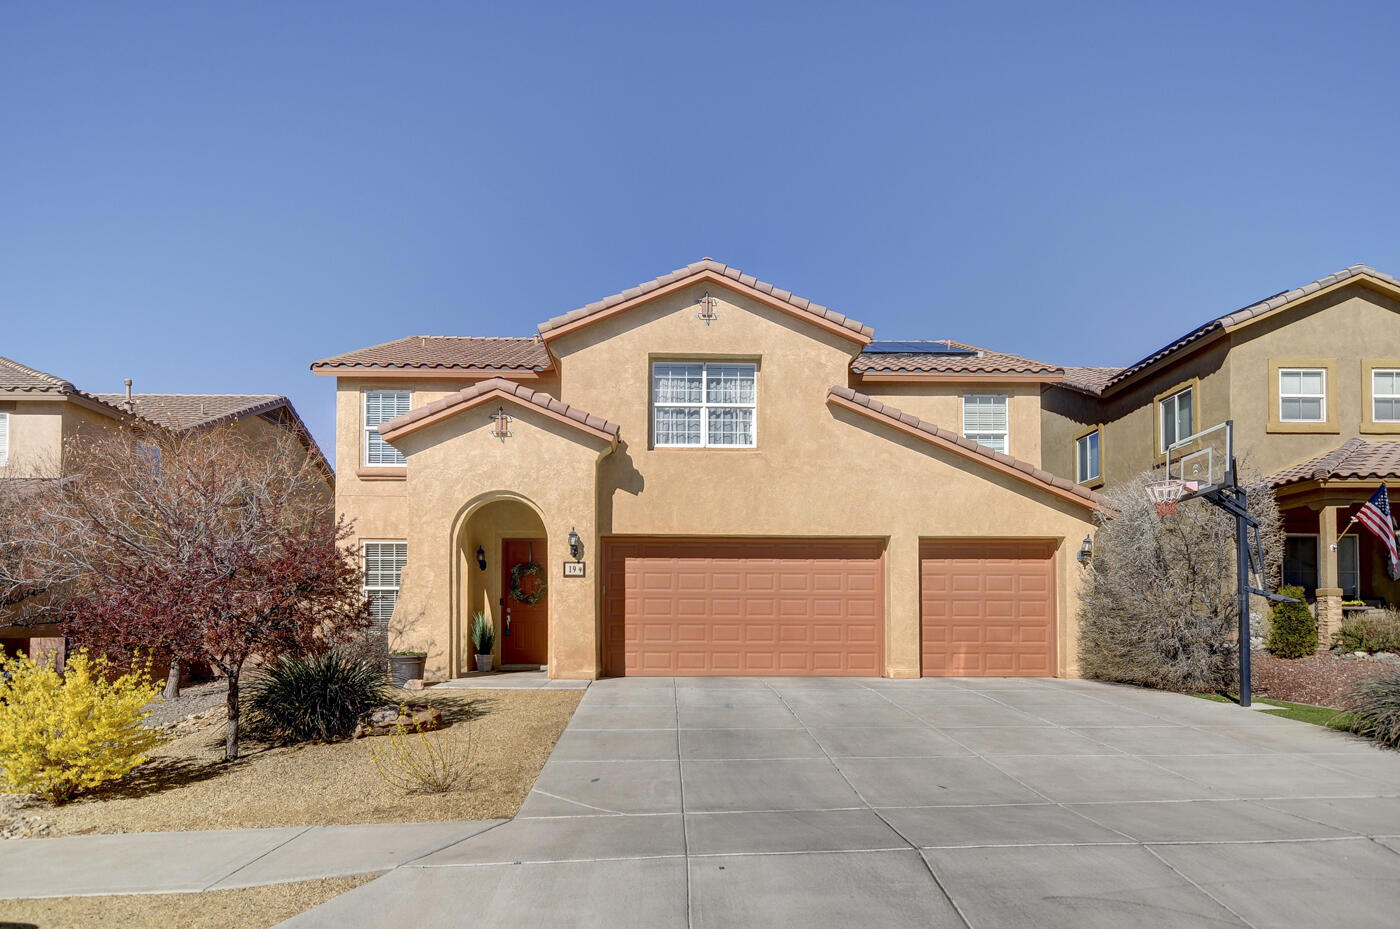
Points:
[(1203, 460)]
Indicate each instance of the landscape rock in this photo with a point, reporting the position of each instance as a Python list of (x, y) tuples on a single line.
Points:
[(386, 720), (416, 683)]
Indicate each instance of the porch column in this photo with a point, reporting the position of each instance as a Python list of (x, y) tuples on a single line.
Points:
[(1329, 591)]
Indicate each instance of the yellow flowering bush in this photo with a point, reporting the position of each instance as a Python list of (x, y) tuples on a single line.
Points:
[(411, 761), (61, 734)]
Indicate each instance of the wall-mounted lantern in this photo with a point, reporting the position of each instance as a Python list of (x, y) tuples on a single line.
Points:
[(481, 558), (1086, 551), (708, 313), (500, 424), (575, 544)]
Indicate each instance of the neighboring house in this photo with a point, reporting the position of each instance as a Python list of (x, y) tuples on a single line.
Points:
[(706, 474), (41, 413), (1311, 380)]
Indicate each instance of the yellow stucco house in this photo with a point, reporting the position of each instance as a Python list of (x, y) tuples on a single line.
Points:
[(1310, 378), (707, 474)]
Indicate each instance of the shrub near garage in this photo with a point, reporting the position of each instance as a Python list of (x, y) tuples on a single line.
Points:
[(61, 734), (1292, 629)]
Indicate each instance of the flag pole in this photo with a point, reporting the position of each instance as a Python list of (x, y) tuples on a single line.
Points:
[(1338, 539)]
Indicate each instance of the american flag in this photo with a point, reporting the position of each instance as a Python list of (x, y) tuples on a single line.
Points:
[(1375, 515)]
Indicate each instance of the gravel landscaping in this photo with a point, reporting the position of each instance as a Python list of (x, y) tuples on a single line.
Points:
[(1322, 679), (188, 786), (251, 908)]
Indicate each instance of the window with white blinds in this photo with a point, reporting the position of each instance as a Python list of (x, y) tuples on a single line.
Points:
[(380, 407), (986, 420), (703, 405), (384, 562), (4, 439)]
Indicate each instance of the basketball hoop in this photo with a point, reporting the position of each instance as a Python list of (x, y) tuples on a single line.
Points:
[(1165, 495)]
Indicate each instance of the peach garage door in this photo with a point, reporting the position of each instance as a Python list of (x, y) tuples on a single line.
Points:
[(988, 609), (728, 606)]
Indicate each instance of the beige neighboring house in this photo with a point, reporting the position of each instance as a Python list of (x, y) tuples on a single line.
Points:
[(707, 474), (40, 413), (1311, 380)]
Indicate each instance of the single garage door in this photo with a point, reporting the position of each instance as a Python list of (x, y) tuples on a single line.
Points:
[(988, 609), (727, 606)]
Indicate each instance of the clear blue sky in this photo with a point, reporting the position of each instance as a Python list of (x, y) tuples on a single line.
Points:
[(208, 199)]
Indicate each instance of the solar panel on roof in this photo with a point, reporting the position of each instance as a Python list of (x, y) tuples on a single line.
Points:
[(892, 346)]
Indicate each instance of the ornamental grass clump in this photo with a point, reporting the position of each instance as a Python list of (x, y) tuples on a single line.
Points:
[(411, 761), (1292, 629), (315, 698), (1375, 709), (62, 734)]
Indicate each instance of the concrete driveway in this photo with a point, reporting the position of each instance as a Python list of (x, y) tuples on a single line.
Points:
[(875, 803)]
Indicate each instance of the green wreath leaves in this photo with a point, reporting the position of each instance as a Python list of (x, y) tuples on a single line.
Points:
[(518, 574)]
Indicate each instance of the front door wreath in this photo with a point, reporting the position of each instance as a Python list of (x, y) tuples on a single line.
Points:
[(527, 584)]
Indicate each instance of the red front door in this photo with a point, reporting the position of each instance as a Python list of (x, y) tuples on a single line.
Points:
[(524, 626)]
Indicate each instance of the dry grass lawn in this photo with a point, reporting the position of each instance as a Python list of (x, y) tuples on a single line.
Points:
[(186, 785), (250, 908)]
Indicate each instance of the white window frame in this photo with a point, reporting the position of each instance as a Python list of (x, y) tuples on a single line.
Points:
[(1079, 456), (371, 589), (1395, 373), (4, 439), (371, 437), (1189, 393), (704, 404), (1322, 407), (1005, 434)]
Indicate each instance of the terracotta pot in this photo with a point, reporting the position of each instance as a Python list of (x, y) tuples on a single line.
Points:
[(483, 662)]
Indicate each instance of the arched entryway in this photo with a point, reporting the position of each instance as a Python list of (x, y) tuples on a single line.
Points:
[(504, 574)]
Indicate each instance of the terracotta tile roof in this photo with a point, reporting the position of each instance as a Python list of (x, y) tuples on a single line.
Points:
[(980, 361), (690, 270), (447, 353), (946, 437), (1354, 458), (15, 376), (467, 396), (1088, 380), (1231, 320), (191, 411)]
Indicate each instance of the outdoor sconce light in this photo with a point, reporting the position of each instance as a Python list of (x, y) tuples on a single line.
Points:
[(481, 558), (1086, 551), (575, 544)]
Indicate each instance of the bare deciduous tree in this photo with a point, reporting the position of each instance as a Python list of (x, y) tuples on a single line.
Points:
[(1159, 603)]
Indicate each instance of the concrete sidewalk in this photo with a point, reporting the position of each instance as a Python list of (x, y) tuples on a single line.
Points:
[(183, 862)]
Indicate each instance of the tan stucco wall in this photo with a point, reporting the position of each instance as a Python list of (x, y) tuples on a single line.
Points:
[(941, 404), (36, 438), (817, 471)]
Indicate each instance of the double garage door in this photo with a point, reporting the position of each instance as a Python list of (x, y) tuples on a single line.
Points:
[(816, 607)]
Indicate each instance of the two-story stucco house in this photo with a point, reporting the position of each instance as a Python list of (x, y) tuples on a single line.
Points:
[(40, 414), (1310, 379), (706, 474)]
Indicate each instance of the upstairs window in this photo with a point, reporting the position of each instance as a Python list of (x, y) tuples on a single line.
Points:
[(1177, 418), (1302, 395), (704, 404), (986, 420), (1086, 457), (4, 439), (384, 563), (1385, 395), (380, 407)]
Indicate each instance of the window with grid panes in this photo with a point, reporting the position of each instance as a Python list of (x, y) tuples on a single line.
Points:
[(383, 563), (1385, 395), (1302, 395), (704, 404), (986, 420), (380, 407)]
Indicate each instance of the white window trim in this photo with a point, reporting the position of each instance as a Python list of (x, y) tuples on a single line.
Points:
[(704, 404), (1078, 458), (1322, 408), (4, 439), (369, 588), (366, 429), (1175, 400), (1005, 433), (1378, 396)]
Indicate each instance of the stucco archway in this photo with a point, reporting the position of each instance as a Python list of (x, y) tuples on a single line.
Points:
[(484, 526)]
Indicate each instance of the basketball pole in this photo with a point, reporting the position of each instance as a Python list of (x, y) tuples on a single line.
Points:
[(1242, 575)]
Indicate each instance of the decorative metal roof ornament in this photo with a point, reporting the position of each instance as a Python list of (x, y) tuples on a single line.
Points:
[(707, 313), (500, 424)]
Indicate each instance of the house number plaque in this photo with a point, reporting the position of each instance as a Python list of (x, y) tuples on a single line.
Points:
[(573, 569)]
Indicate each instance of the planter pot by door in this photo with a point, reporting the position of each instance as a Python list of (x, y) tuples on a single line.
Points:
[(483, 662), (405, 668)]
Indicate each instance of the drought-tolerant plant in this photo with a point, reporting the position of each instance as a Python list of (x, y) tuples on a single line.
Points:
[(1292, 629), (1371, 631), (411, 761), (316, 698), (483, 634), (61, 734), (1158, 601), (1375, 708)]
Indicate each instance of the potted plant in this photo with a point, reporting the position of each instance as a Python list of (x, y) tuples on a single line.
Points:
[(406, 665), (483, 640)]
